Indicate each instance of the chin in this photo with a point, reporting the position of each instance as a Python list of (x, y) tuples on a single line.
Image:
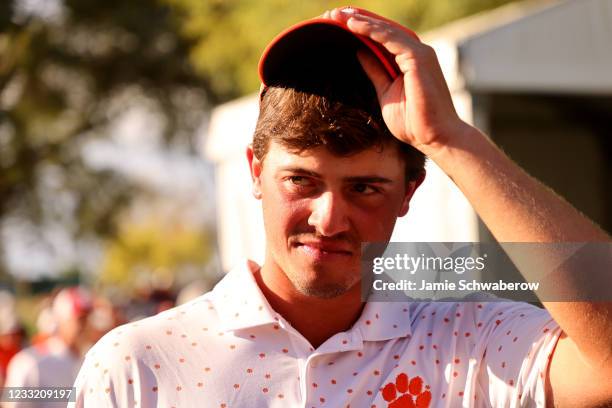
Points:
[(323, 281), (323, 291)]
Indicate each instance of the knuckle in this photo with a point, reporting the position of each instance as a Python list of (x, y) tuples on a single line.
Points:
[(421, 52), (384, 34), (428, 51), (380, 36)]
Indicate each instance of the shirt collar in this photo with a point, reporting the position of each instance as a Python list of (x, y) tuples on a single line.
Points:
[(384, 321), (239, 301), (241, 305)]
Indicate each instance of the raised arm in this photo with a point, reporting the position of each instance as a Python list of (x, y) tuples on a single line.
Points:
[(418, 110)]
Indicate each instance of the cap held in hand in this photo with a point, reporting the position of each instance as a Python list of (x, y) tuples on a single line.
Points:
[(321, 48)]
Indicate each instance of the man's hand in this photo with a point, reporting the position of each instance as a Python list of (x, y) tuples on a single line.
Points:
[(416, 106)]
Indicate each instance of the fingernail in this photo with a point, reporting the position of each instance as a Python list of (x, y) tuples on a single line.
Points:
[(348, 10)]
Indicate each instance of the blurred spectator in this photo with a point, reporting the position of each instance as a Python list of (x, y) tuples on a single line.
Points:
[(103, 317), (193, 290), (147, 302), (11, 332), (162, 300), (54, 361), (45, 324)]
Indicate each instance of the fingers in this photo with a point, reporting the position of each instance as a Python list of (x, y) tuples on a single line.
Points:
[(395, 38), (338, 14), (344, 14), (375, 72), (341, 14)]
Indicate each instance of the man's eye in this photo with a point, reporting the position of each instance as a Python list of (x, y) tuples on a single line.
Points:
[(299, 181), (362, 188)]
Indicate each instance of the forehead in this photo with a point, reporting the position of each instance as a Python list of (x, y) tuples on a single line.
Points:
[(384, 162)]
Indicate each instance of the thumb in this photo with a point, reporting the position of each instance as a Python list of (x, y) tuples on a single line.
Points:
[(375, 71)]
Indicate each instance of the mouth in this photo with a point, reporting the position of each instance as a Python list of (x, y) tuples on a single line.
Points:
[(319, 250)]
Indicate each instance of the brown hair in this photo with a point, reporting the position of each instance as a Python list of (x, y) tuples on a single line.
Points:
[(300, 120)]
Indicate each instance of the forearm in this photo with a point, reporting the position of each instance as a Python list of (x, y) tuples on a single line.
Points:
[(514, 206), (518, 208)]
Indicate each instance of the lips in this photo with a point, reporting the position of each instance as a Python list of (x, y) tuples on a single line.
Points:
[(325, 247)]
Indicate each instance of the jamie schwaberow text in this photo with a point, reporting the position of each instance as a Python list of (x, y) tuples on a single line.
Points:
[(461, 285)]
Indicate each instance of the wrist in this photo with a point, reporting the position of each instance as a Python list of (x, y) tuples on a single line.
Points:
[(458, 138), (467, 151)]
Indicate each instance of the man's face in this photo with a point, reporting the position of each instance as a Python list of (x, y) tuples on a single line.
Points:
[(70, 328), (318, 208)]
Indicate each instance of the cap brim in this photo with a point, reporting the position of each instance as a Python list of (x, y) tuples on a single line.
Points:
[(317, 47)]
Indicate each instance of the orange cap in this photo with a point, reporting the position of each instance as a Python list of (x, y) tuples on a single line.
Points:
[(295, 50)]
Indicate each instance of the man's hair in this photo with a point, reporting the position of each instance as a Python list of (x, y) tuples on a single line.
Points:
[(344, 119)]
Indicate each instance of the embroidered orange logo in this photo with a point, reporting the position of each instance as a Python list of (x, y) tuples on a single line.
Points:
[(406, 393)]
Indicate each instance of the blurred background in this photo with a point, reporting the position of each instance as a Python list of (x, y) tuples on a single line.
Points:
[(123, 185)]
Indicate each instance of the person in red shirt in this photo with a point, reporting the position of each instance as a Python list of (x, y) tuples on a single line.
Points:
[(11, 332)]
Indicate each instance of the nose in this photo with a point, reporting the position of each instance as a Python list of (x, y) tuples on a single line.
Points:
[(329, 214)]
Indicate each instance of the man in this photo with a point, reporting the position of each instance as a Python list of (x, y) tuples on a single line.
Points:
[(333, 171), (54, 361)]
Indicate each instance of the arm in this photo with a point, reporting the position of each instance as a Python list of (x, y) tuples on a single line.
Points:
[(533, 213), (418, 110)]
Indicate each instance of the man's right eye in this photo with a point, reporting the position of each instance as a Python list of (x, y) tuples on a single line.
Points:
[(299, 181)]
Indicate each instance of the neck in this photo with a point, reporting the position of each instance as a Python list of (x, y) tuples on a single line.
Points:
[(317, 319)]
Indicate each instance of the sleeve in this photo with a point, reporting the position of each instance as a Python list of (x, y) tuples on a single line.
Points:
[(516, 351), (104, 378), (89, 386)]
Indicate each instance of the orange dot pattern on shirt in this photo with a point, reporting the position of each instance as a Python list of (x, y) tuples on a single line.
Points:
[(404, 391)]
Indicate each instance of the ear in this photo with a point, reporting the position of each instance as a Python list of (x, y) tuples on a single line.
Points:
[(255, 166), (411, 187)]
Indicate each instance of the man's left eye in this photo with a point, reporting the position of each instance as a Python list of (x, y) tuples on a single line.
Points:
[(364, 188), (299, 181)]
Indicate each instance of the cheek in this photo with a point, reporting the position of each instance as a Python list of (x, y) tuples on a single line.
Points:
[(376, 223), (281, 213)]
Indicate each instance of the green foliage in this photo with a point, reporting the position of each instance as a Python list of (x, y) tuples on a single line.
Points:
[(155, 250), (230, 35), (64, 79)]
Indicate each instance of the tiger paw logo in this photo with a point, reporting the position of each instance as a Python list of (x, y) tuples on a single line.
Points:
[(406, 393)]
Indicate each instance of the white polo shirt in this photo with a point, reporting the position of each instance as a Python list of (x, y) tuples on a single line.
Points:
[(229, 348)]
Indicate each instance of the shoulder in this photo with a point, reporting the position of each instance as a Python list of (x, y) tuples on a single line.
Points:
[(478, 321), (153, 335), (480, 308), (26, 357), (130, 358), (23, 367)]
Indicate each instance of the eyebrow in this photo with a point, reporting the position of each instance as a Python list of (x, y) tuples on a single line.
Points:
[(352, 179)]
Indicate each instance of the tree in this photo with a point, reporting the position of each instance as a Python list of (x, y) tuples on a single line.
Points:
[(154, 250), (229, 35), (65, 75), (63, 79)]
